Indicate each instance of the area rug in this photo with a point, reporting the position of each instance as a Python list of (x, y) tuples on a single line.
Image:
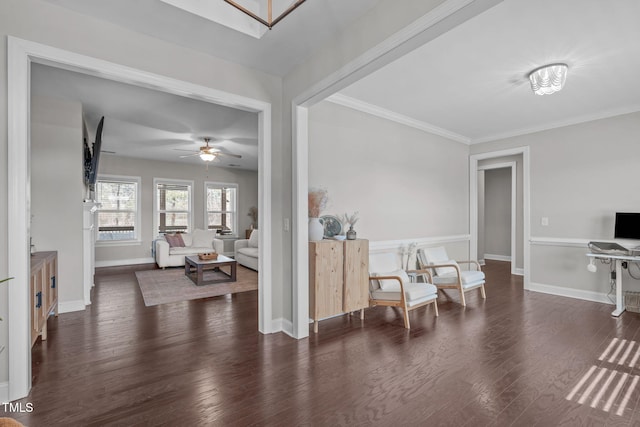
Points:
[(171, 285)]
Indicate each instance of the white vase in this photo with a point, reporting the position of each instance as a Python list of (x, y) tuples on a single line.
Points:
[(316, 230)]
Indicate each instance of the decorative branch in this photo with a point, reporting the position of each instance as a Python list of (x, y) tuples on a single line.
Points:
[(318, 200)]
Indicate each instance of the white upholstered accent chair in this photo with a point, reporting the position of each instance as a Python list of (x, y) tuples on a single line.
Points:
[(390, 285), (447, 273)]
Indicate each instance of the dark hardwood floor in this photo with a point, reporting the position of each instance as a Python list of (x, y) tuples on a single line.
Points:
[(518, 358)]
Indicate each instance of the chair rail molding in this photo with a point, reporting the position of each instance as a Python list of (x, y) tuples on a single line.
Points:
[(387, 245)]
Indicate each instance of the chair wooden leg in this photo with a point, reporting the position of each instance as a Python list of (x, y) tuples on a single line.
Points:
[(484, 296), (464, 303), (406, 318), (435, 307)]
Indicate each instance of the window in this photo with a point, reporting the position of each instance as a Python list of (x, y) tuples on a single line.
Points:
[(118, 216), (172, 206), (221, 207)]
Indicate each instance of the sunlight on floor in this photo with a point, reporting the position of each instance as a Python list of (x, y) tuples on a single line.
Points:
[(601, 387)]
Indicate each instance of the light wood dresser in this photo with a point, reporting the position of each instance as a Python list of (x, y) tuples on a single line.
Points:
[(338, 278), (44, 291)]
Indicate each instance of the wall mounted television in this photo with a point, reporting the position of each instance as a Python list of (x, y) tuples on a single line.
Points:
[(627, 225)]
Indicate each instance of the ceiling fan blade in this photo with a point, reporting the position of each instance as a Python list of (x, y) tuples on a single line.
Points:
[(221, 153), (190, 155), (182, 149)]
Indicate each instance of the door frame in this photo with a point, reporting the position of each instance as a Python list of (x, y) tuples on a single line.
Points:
[(20, 55), (526, 201), (512, 166)]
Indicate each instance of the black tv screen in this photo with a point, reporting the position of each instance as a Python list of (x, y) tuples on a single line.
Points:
[(627, 225)]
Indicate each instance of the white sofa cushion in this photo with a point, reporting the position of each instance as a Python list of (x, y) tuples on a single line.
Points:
[(469, 278), (187, 238), (189, 250), (251, 252), (414, 292), (253, 239), (202, 238)]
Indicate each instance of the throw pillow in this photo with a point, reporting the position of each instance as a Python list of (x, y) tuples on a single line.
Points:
[(174, 240), (392, 284), (253, 239)]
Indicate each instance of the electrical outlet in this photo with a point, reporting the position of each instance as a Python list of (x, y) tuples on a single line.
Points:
[(544, 221)]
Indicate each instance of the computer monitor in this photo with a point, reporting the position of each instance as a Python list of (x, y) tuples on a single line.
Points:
[(627, 225)]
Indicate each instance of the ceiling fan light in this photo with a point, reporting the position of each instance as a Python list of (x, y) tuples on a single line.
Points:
[(548, 79), (207, 157)]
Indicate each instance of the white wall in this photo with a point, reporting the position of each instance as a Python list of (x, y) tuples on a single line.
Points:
[(148, 170), (406, 183), (497, 213), (580, 176), (57, 190)]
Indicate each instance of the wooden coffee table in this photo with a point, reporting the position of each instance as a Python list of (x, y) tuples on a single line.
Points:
[(194, 269)]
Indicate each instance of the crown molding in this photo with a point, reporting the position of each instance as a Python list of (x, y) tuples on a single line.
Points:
[(374, 110), (562, 123)]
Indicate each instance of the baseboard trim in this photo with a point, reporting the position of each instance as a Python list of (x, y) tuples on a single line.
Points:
[(519, 272), (497, 257), (385, 245), (71, 306), (282, 325), (4, 392), (481, 262), (570, 292), (120, 262)]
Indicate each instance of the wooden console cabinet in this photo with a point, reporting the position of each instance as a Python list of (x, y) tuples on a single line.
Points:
[(338, 278), (44, 292)]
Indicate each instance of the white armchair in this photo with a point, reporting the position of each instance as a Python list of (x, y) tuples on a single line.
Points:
[(390, 285), (247, 251), (447, 273)]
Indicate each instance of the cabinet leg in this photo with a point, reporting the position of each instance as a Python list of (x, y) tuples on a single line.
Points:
[(362, 314), (315, 326), (43, 334)]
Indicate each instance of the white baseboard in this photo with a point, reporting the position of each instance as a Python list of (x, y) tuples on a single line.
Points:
[(119, 262), (497, 257), (4, 392), (519, 272), (282, 325), (481, 262), (71, 306), (570, 292)]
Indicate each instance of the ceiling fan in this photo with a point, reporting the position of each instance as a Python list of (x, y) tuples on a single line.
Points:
[(208, 153)]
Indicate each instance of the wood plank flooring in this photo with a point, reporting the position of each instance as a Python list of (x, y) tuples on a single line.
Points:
[(512, 359)]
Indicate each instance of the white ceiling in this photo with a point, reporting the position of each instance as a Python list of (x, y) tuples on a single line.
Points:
[(145, 123), (289, 43), (471, 83)]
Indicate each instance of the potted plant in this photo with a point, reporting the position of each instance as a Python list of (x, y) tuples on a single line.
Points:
[(318, 199)]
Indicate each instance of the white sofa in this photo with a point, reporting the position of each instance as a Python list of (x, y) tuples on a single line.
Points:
[(246, 251), (199, 241)]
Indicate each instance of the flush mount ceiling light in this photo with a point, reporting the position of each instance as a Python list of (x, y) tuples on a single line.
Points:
[(548, 79), (270, 21)]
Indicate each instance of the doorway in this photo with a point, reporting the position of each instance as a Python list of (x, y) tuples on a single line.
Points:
[(21, 54), (503, 159), (497, 200)]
